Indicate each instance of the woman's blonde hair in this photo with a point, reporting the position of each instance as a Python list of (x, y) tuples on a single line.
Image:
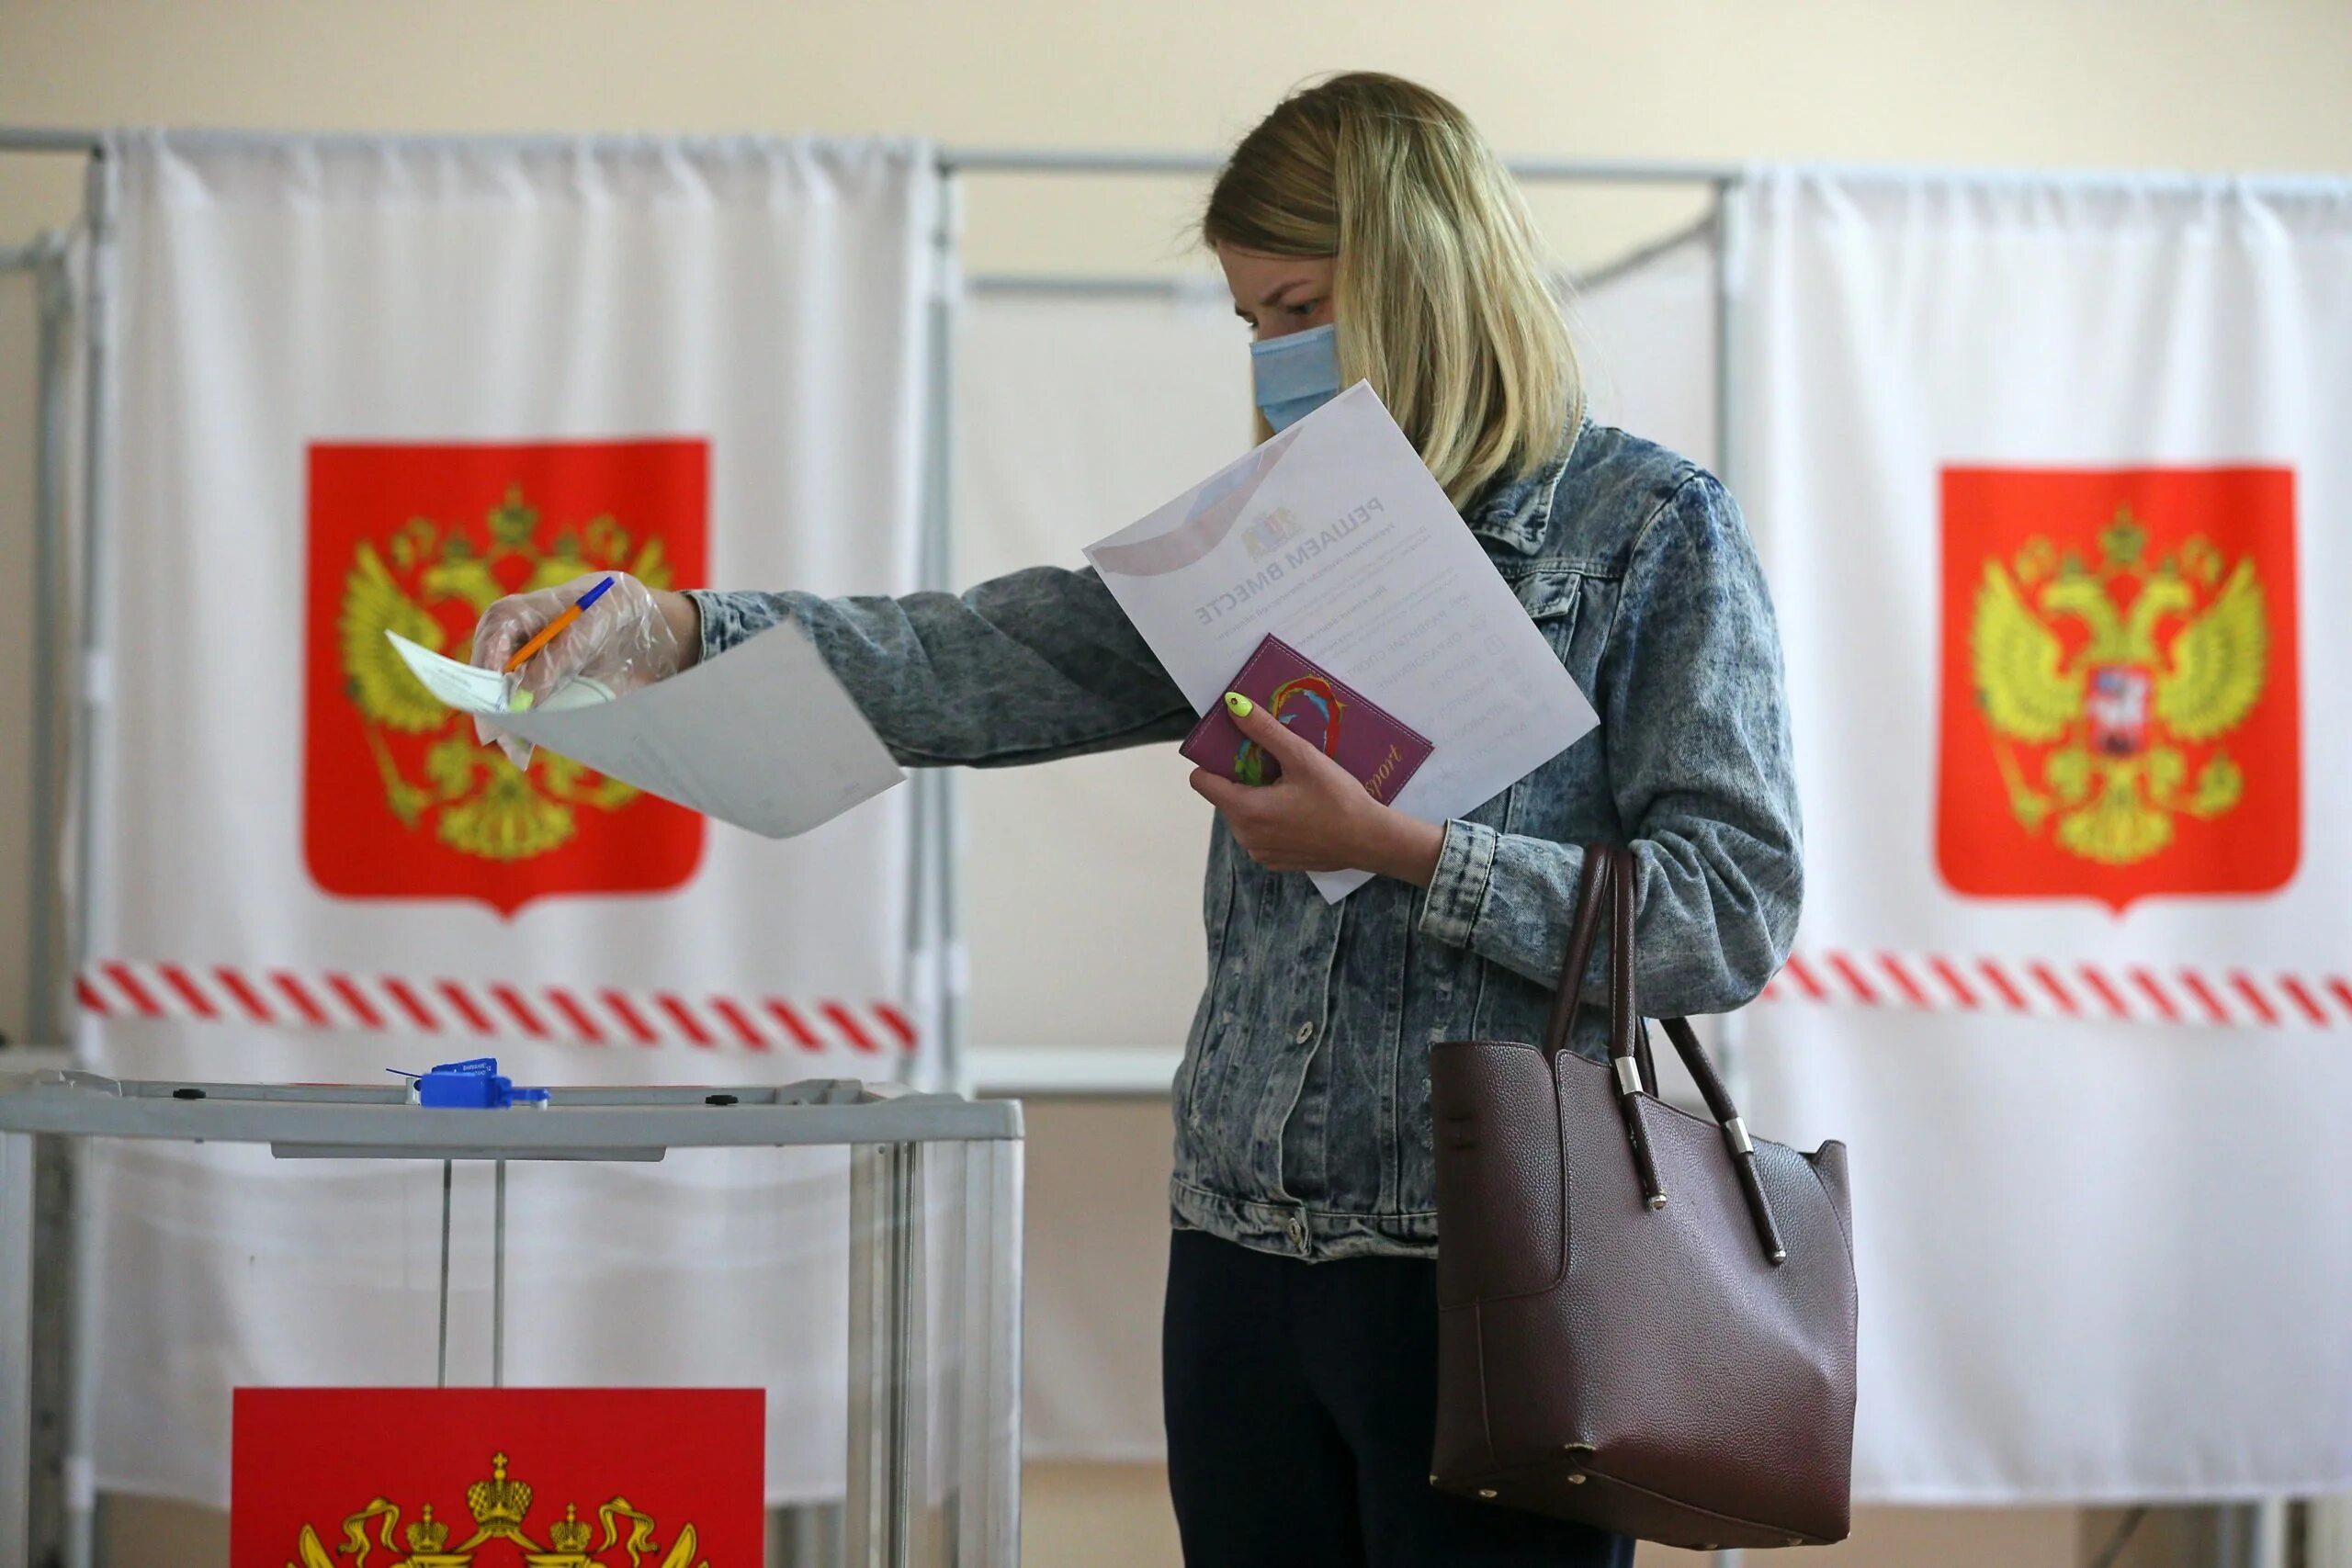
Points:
[(1439, 294)]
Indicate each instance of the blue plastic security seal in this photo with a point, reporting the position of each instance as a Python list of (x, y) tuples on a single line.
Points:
[(471, 1085)]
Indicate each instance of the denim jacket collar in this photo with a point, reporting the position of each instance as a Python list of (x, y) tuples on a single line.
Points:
[(1517, 513)]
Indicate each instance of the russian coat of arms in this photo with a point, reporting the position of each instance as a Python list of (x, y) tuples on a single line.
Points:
[(500, 1505), (2119, 683), (2118, 710), (400, 798), (497, 1477)]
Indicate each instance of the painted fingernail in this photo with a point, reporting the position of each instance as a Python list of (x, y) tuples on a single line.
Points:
[(1242, 706), (520, 702)]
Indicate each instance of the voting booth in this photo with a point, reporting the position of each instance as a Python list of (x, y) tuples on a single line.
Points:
[(2028, 1047), (477, 368)]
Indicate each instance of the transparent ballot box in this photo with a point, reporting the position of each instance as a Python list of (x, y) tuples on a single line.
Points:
[(852, 1250)]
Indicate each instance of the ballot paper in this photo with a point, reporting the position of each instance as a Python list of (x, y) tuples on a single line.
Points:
[(1333, 536), (763, 737)]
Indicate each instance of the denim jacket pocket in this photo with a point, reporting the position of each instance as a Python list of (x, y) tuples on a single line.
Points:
[(1552, 596)]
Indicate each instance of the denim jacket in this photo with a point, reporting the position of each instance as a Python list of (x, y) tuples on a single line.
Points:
[(1302, 1106)]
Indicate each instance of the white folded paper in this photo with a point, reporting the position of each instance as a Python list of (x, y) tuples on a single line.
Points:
[(763, 737), (1334, 537)]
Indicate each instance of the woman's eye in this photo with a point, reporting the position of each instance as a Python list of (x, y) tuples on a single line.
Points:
[(1306, 309)]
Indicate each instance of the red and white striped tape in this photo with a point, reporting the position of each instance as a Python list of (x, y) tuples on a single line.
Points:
[(612, 1016), (2037, 987), (488, 1009)]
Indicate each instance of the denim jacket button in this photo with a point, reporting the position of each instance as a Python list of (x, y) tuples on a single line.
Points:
[(1305, 1033), (1297, 1232)]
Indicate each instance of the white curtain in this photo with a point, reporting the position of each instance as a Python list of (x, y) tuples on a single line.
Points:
[(1076, 416), (2008, 445), (341, 364), (1645, 335)]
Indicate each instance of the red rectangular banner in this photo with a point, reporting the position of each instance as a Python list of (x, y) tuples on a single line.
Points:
[(534, 1477), (399, 799), (2120, 708)]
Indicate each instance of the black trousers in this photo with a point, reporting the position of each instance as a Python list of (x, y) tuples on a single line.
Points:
[(1300, 1398)]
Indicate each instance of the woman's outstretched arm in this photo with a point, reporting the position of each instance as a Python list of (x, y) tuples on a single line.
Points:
[(1025, 668)]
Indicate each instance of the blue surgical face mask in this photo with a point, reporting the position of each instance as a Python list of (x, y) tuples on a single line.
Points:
[(1296, 374)]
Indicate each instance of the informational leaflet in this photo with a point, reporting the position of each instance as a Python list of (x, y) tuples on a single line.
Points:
[(1334, 537), (763, 737)]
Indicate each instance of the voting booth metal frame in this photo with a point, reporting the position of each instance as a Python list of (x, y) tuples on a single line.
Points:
[(1114, 1071), (934, 1256), (936, 962), (74, 481), (72, 445)]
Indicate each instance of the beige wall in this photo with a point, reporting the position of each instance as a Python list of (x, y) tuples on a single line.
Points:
[(2256, 85)]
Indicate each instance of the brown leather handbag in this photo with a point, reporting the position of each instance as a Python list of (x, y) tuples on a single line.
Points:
[(1645, 1323)]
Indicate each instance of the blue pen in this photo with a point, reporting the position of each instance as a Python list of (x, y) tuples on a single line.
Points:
[(547, 632)]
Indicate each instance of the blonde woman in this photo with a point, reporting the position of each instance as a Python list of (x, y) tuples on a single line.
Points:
[(1367, 232)]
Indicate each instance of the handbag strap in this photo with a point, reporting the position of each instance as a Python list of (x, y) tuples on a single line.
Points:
[(1567, 994), (1593, 885), (1625, 1020), (1609, 874)]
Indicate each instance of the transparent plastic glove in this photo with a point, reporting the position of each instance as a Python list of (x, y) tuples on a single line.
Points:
[(622, 642)]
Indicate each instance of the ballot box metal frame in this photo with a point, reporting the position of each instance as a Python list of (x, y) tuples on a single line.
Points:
[(906, 1263)]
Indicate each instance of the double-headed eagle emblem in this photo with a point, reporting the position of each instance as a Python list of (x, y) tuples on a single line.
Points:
[(472, 799), (2111, 688), (499, 1507)]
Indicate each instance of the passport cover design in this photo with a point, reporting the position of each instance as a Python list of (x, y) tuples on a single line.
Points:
[(1371, 744)]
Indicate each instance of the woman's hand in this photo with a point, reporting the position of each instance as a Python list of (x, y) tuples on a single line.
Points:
[(632, 636), (1315, 816)]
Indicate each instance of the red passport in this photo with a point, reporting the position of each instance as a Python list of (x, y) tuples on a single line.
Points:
[(1366, 739)]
